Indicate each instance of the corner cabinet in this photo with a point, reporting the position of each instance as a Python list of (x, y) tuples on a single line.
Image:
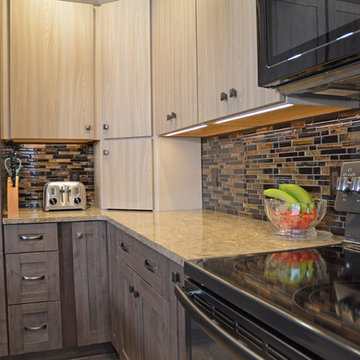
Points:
[(51, 70), (91, 282), (126, 174), (174, 65), (124, 69)]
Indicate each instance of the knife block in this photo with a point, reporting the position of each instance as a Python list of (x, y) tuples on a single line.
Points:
[(13, 198)]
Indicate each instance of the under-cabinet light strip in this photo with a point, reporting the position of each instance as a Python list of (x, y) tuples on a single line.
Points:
[(186, 130), (252, 113)]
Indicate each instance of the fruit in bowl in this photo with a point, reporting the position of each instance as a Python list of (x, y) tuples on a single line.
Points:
[(293, 212)]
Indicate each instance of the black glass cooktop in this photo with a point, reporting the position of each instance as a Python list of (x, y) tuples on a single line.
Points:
[(317, 286)]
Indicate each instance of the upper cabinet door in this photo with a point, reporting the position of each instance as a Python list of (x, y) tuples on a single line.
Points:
[(124, 69), (51, 70), (127, 174), (227, 59), (174, 66)]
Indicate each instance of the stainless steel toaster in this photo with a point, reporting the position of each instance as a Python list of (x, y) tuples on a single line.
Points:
[(64, 195)]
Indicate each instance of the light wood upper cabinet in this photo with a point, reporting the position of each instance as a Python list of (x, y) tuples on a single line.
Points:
[(127, 174), (227, 59), (51, 70), (174, 67), (124, 69)]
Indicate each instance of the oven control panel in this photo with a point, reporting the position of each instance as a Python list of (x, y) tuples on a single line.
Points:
[(348, 188)]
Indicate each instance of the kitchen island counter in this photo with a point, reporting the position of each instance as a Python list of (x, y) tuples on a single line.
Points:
[(186, 234)]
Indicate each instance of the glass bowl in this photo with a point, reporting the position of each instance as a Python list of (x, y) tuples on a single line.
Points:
[(298, 268), (297, 220)]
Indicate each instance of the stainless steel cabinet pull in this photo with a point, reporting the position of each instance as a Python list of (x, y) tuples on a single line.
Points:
[(79, 235), (31, 237), (152, 268), (106, 152), (173, 115), (35, 328), (136, 294), (88, 127), (124, 247), (168, 117), (106, 127), (131, 289), (223, 96), (233, 93), (32, 278)]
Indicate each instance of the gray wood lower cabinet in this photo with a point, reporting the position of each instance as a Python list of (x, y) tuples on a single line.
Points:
[(144, 327), (33, 288), (91, 282), (144, 318), (35, 327), (3, 323)]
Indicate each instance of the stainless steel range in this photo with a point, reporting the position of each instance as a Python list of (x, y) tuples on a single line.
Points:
[(301, 304)]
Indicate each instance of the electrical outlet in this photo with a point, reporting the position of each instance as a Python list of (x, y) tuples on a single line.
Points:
[(334, 174)]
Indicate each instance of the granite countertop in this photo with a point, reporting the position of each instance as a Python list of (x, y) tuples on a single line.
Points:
[(186, 234)]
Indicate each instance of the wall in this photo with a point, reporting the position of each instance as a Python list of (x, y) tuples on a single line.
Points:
[(52, 162), (237, 168)]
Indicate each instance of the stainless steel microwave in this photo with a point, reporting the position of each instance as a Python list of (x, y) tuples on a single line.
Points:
[(310, 46)]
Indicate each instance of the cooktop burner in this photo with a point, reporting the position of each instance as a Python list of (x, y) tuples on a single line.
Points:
[(319, 285)]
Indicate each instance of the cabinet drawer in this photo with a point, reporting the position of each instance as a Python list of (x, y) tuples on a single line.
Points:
[(35, 327), (30, 237), (149, 264), (32, 277)]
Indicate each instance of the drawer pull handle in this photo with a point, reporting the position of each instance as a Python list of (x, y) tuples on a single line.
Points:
[(124, 247), (35, 328), (33, 278), (31, 237), (152, 268)]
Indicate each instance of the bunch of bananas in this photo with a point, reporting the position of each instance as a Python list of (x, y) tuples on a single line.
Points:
[(293, 194)]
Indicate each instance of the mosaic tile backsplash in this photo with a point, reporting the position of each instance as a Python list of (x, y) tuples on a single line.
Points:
[(237, 168), (52, 162)]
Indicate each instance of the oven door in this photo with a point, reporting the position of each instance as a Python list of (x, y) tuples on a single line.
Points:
[(207, 336), (216, 330), (298, 38)]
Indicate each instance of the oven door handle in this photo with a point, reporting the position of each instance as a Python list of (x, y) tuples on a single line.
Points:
[(220, 336)]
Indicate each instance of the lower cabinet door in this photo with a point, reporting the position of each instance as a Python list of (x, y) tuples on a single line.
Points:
[(155, 311), (128, 314), (35, 327), (144, 318), (91, 282)]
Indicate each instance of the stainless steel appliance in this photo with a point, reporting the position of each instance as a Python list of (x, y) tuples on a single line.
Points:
[(263, 306), (310, 47), (299, 304), (64, 195)]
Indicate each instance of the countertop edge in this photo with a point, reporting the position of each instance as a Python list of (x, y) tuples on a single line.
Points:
[(153, 245)]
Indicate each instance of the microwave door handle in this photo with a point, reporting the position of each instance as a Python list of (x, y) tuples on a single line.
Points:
[(238, 349)]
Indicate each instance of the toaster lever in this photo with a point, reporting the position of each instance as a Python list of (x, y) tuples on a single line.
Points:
[(68, 193), (62, 194)]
